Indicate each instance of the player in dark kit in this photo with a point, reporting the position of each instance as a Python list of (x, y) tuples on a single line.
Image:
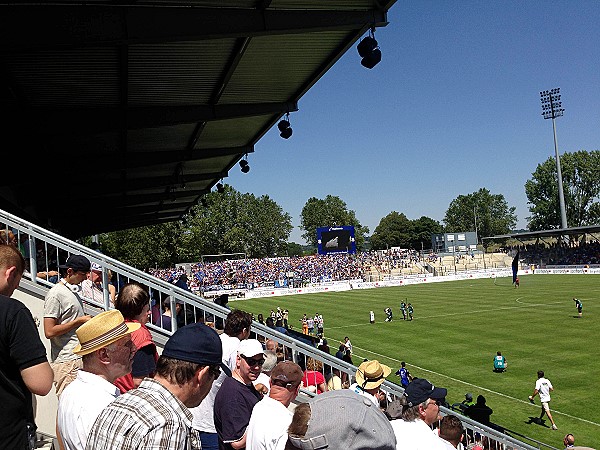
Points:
[(388, 313), (403, 310), (404, 374), (579, 306), (410, 311)]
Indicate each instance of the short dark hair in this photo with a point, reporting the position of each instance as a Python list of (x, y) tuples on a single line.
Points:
[(176, 371), (11, 256), (131, 300), (451, 428), (540, 373), (236, 321)]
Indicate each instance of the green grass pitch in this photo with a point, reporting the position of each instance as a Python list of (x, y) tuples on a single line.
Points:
[(457, 329)]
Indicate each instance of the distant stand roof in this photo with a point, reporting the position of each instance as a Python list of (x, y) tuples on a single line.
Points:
[(574, 231)]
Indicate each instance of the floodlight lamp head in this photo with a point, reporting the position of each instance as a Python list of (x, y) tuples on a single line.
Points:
[(245, 169), (372, 59), (284, 127), (283, 124), (286, 134), (220, 188), (369, 51), (366, 46)]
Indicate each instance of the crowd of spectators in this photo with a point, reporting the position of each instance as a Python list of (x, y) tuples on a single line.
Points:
[(255, 272), (575, 253), (290, 271)]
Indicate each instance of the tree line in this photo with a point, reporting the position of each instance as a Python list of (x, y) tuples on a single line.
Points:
[(233, 222)]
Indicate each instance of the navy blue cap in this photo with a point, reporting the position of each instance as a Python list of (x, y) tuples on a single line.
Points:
[(421, 389), (198, 344), (78, 263)]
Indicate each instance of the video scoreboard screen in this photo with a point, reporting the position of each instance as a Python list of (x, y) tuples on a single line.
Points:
[(336, 240)]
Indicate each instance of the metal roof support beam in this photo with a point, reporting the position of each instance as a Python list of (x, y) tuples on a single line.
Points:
[(55, 26), (100, 120)]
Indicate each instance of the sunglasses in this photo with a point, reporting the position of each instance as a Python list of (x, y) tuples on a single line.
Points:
[(252, 362)]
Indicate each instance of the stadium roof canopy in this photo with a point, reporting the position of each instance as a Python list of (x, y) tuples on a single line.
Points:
[(528, 235), (123, 114)]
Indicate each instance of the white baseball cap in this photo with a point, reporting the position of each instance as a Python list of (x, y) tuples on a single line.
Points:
[(250, 348)]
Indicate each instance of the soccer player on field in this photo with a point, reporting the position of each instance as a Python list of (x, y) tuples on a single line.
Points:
[(403, 309), (543, 387), (579, 306)]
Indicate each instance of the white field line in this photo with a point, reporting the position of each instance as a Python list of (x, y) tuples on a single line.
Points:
[(524, 305)]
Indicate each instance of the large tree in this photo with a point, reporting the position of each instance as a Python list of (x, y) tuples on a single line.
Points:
[(151, 246), (331, 211), (396, 230), (232, 222), (489, 212), (581, 186), (228, 222), (422, 229)]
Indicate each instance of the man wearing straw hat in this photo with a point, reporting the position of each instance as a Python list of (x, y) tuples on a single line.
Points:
[(107, 351), (156, 415), (369, 377)]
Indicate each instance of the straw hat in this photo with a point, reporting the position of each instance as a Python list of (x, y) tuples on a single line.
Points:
[(371, 374), (102, 330)]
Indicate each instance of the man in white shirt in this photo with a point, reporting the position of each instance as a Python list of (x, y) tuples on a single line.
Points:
[(543, 388), (271, 417), (107, 351), (420, 409), (347, 344)]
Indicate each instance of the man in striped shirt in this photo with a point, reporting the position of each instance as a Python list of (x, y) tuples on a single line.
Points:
[(156, 414)]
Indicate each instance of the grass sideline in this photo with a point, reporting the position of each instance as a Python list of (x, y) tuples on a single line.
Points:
[(457, 329)]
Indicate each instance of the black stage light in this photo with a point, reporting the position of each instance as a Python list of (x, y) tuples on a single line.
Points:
[(369, 51), (286, 133), (285, 128), (372, 59), (244, 166), (283, 124), (366, 46)]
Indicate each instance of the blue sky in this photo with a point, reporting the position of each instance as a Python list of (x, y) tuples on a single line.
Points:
[(453, 106)]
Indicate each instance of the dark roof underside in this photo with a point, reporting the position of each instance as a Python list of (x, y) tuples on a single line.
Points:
[(574, 231), (123, 115)]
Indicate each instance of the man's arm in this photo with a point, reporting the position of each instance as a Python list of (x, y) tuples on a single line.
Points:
[(53, 329), (38, 378), (240, 443), (535, 392)]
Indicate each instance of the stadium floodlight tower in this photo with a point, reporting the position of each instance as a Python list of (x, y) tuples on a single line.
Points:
[(551, 109)]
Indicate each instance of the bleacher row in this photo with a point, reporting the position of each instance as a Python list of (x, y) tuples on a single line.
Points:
[(33, 289)]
